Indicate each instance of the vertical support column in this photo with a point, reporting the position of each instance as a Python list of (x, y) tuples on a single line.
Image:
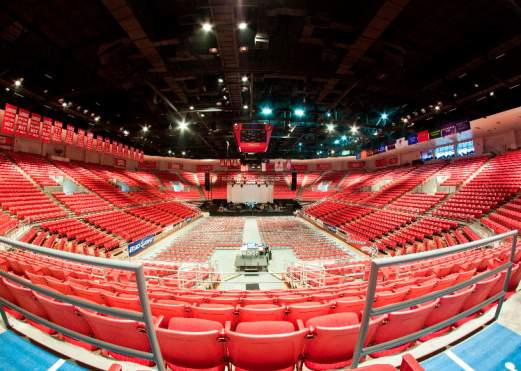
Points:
[(507, 277), (364, 325), (147, 315)]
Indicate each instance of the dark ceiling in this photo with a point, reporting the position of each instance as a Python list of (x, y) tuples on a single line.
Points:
[(138, 63)]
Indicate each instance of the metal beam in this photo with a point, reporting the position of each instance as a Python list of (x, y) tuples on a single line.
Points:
[(123, 14), (380, 22), (223, 15)]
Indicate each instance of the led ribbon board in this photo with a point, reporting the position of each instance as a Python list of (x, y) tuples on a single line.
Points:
[(252, 137)]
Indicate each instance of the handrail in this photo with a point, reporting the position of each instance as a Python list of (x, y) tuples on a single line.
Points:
[(145, 316), (370, 311)]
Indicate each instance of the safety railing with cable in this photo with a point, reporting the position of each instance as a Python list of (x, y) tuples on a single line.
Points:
[(145, 316), (370, 312)]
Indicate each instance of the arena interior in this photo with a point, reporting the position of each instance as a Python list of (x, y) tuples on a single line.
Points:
[(260, 185)]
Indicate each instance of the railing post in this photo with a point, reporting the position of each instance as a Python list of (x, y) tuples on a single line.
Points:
[(147, 315), (366, 316), (4, 318), (507, 277)]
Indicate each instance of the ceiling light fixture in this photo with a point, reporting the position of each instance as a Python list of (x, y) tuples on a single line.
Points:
[(182, 125), (244, 78), (330, 127), (242, 26), (354, 129), (207, 26)]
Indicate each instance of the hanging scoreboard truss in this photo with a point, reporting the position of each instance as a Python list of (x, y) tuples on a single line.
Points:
[(252, 137)]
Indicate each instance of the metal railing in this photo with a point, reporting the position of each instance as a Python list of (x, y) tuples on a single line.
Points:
[(369, 311), (145, 316)]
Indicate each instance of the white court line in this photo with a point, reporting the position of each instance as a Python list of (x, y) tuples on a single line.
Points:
[(458, 361), (56, 365)]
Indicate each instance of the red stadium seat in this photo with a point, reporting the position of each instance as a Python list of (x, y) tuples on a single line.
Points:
[(305, 311), (214, 312), (168, 309), (66, 315), (261, 312), (401, 323), (118, 331), (333, 340), (265, 345), (192, 343)]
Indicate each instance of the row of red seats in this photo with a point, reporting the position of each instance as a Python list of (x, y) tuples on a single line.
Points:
[(127, 226), (82, 203)]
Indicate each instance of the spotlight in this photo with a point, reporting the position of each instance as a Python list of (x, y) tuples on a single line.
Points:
[(7, 89), (330, 127), (202, 114), (183, 153), (299, 112), (436, 108), (375, 133), (218, 104), (343, 137), (169, 151), (18, 82), (64, 105), (332, 151), (207, 26), (85, 111), (266, 111), (244, 78), (243, 49), (220, 80), (191, 108), (328, 114), (245, 106), (300, 144), (213, 50), (384, 116), (491, 93), (405, 120), (242, 26), (145, 129), (336, 141), (125, 132), (182, 125), (354, 129), (97, 118)]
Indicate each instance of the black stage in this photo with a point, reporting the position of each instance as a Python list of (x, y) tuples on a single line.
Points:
[(277, 208)]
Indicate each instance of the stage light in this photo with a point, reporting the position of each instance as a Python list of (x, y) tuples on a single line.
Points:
[(7, 89), (332, 151), (354, 129), (405, 120), (207, 26), (436, 108), (343, 137), (242, 26), (218, 103), (191, 108), (183, 153), (491, 93), (300, 144), (384, 116), (145, 129), (182, 125), (245, 106), (328, 114), (125, 132), (330, 127), (299, 112), (97, 118), (169, 151), (336, 141), (243, 49), (64, 105), (244, 78), (375, 133), (18, 82), (220, 80), (266, 111)]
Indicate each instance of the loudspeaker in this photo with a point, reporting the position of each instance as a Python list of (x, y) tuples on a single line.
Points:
[(294, 181), (207, 184)]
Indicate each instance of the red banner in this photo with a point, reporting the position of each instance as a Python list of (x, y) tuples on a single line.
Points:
[(355, 165), (22, 123), (34, 126), (57, 132), (9, 119), (69, 134), (393, 160), (120, 162), (326, 166), (380, 162), (46, 129), (423, 136), (175, 165), (90, 141), (80, 137), (106, 147), (203, 168), (99, 143), (6, 140), (147, 165)]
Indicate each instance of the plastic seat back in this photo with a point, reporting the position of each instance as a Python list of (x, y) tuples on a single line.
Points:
[(129, 303), (214, 312), (265, 345), (481, 292), (334, 339), (307, 310), (192, 343), (448, 306), (261, 312), (169, 309), (26, 299)]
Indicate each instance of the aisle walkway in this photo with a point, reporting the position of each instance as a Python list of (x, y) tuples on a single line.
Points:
[(251, 230)]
